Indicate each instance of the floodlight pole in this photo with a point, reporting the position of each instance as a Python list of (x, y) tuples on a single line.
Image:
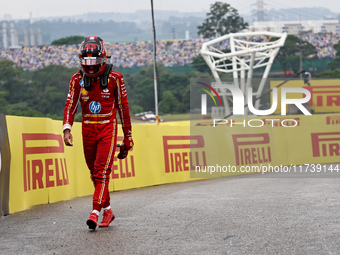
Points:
[(154, 64)]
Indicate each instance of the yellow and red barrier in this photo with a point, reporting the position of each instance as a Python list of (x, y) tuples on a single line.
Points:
[(43, 170), (325, 94)]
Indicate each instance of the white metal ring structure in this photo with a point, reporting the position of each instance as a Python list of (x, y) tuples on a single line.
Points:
[(248, 51)]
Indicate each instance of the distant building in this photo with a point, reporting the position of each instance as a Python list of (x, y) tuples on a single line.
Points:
[(14, 35), (295, 27), (40, 41), (32, 37), (26, 41), (4, 36)]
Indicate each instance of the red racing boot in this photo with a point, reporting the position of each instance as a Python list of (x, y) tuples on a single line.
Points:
[(108, 217), (92, 221)]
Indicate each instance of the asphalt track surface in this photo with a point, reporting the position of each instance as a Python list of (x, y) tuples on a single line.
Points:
[(231, 215)]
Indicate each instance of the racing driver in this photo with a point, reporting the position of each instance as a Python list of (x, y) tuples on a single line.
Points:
[(101, 93)]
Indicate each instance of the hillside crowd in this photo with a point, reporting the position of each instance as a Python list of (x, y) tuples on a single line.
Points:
[(323, 43), (138, 54), (123, 55)]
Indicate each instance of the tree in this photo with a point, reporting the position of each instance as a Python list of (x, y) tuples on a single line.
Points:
[(169, 104), (200, 65), (49, 89), (289, 54), (336, 62), (144, 94), (12, 84), (335, 74), (222, 19), (68, 40)]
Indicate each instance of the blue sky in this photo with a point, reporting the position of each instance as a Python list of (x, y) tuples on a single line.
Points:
[(47, 8)]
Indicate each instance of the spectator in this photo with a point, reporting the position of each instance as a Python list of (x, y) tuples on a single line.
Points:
[(140, 54)]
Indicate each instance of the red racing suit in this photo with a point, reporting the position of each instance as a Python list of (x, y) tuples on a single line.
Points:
[(99, 126)]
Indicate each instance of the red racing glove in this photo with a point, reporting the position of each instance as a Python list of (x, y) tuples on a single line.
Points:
[(128, 142), (125, 147)]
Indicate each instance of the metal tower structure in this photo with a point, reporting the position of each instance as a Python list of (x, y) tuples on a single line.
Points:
[(248, 51), (259, 10)]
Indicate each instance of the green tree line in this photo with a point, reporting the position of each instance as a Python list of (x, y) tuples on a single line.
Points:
[(42, 93)]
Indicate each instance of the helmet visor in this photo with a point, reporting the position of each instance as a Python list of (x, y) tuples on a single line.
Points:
[(91, 61)]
